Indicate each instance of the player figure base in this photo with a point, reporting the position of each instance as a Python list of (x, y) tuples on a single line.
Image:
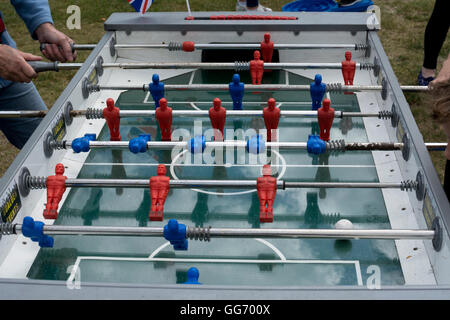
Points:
[(266, 217), (51, 214), (156, 216)]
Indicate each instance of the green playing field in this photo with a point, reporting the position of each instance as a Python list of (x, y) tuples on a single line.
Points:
[(289, 262)]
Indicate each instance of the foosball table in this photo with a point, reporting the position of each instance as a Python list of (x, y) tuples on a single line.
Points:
[(226, 156)]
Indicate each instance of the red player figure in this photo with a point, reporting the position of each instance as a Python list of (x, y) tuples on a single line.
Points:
[(348, 69), (256, 68), (267, 48), (112, 115), (159, 189), (325, 116), (271, 118), (56, 186), (217, 116), (164, 116), (266, 187)]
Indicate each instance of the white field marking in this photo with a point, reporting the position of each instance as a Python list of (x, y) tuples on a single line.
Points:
[(265, 242), (223, 261), (283, 171), (157, 250), (194, 106), (146, 98), (274, 248), (231, 165), (191, 79)]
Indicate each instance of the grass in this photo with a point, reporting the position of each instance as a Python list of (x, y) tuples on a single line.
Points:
[(403, 24)]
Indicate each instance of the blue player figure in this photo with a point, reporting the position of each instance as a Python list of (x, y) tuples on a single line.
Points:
[(236, 88), (156, 88), (317, 90), (192, 276)]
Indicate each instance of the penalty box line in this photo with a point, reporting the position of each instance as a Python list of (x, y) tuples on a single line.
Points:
[(281, 261)]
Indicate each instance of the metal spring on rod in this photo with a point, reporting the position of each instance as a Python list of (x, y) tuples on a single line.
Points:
[(198, 233), (408, 185), (175, 46), (361, 46), (334, 87), (384, 114), (335, 145), (366, 66), (241, 66), (92, 113), (58, 145), (7, 228), (94, 88), (36, 182)]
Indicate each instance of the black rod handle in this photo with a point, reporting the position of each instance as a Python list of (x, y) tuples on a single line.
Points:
[(41, 66), (43, 45)]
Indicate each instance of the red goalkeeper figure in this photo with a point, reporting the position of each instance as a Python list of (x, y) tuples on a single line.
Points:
[(112, 116), (266, 187), (56, 186), (159, 189)]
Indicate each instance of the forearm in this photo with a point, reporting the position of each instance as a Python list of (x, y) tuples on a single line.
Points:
[(34, 13)]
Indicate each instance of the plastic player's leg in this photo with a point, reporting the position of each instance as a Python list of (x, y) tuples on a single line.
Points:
[(262, 206), (166, 136), (50, 212), (157, 213), (267, 215), (154, 205), (348, 81), (260, 75), (254, 76)]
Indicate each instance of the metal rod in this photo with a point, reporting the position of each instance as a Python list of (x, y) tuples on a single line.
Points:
[(224, 46), (23, 114), (329, 146), (351, 185), (239, 113), (322, 233), (251, 87), (39, 183), (249, 103), (226, 65), (69, 66), (387, 234), (178, 184), (167, 145)]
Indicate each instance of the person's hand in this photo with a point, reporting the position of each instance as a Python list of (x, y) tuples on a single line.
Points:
[(14, 66), (58, 47), (444, 74)]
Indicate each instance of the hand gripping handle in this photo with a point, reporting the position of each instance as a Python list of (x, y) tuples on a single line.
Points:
[(43, 45), (40, 66)]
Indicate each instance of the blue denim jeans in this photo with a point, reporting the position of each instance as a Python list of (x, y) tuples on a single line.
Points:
[(20, 96)]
